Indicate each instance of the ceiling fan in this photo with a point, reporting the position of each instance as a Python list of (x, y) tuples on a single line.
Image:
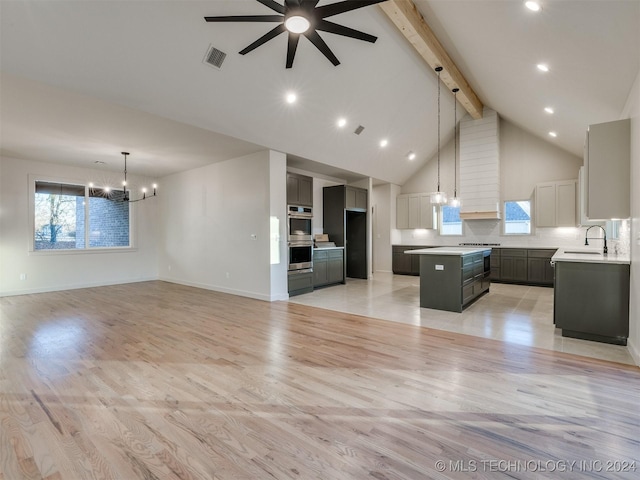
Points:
[(303, 17)]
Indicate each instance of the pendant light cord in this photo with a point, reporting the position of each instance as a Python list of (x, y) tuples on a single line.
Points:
[(455, 142), (438, 69)]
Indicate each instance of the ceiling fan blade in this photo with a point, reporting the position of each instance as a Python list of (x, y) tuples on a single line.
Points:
[(291, 48), (264, 39), (317, 40), (327, 26), (275, 6), (346, 6), (246, 18)]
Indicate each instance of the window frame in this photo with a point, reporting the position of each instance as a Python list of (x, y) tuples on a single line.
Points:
[(74, 251), (441, 218), (504, 218)]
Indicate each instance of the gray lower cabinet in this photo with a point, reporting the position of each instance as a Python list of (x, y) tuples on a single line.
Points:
[(451, 282), (591, 301), (539, 269), (495, 263), (300, 283), (403, 263), (328, 267), (513, 265), (508, 265)]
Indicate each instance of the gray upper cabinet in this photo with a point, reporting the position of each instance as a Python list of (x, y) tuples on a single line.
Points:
[(556, 204), (414, 210), (608, 169), (355, 198), (299, 190)]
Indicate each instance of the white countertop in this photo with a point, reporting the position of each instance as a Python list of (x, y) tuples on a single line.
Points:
[(448, 250), (588, 255)]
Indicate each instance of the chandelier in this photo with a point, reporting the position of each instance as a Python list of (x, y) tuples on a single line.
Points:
[(125, 192)]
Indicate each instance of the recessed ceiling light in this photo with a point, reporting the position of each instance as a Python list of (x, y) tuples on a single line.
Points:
[(549, 110), (542, 67), (411, 156), (291, 97), (533, 6), (553, 134), (384, 142), (342, 122)]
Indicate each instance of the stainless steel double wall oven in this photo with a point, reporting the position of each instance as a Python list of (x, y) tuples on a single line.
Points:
[(299, 239)]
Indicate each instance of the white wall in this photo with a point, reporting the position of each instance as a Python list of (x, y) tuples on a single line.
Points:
[(383, 200), (632, 111), (216, 226), (526, 160), (48, 271)]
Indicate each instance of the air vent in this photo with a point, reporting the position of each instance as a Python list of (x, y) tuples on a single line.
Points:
[(214, 57), (358, 130)]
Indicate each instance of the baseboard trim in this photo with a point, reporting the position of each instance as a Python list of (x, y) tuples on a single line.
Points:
[(59, 288), (633, 351), (230, 291)]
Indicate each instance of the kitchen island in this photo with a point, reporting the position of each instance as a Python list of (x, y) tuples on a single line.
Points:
[(451, 278), (591, 295)]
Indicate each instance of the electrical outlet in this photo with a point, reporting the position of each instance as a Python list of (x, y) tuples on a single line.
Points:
[(23, 276), (254, 236), (228, 276), (169, 268)]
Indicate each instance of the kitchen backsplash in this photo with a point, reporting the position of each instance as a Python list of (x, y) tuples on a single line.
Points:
[(488, 231)]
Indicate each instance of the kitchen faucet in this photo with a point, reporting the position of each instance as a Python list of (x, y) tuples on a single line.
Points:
[(604, 232)]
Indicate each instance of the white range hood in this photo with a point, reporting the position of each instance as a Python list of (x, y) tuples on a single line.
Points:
[(480, 167)]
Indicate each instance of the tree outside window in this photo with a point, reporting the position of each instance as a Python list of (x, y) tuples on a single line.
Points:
[(61, 211)]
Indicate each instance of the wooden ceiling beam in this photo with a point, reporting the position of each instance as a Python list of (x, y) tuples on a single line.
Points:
[(406, 17)]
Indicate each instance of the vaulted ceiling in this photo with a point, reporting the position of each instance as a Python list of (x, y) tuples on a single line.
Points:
[(83, 81)]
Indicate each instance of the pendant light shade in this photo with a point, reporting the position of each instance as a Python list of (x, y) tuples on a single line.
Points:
[(438, 197), (455, 201)]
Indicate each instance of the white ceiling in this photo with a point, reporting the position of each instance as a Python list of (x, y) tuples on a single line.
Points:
[(82, 81)]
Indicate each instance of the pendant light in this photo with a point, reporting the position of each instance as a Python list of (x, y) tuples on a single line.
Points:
[(438, 197), (455, 201)]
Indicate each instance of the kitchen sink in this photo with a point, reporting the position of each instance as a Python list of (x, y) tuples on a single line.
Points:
[(582, 252)]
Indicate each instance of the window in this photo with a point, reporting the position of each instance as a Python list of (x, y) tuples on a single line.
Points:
[(70, 217), (517, 217), (451, 224)]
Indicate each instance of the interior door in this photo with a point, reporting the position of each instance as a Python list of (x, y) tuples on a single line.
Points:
[(356, 248)]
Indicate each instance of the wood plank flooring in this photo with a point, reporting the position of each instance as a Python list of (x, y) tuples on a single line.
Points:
[(162, 381)]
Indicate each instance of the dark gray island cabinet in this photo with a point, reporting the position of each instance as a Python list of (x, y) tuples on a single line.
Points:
[(451, 278), (591, 296)]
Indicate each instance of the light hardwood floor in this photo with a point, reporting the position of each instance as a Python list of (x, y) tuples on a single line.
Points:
[(519, 314), (162, 381)]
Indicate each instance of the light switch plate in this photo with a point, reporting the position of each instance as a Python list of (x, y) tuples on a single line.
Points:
[(439, 267)]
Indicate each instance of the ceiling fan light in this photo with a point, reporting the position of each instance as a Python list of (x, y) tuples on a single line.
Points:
[(297, 24), (533, 6)]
